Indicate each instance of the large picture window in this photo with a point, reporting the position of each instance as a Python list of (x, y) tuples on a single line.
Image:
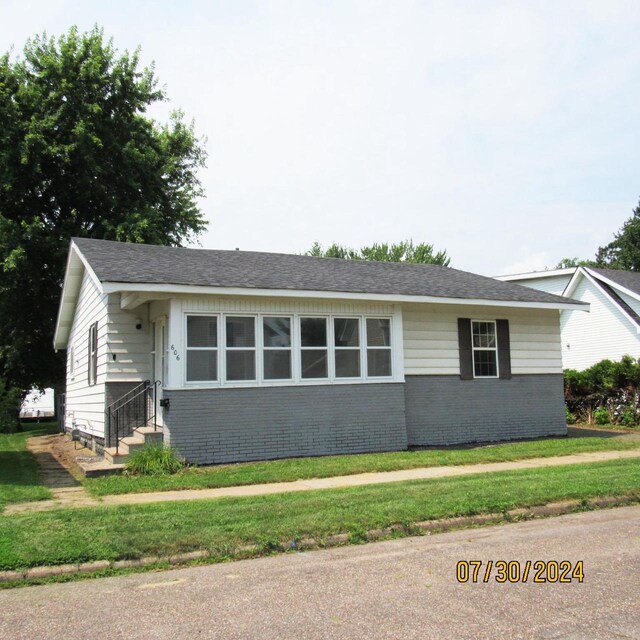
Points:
[(238, 349), (202, 348), (485, 349)]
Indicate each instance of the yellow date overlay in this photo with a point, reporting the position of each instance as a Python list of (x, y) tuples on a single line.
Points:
[(512, 571)]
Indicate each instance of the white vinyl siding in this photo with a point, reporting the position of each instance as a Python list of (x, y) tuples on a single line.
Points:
[(129, 348), (552, 284), (85, 402), (605, 332), (431, 338)]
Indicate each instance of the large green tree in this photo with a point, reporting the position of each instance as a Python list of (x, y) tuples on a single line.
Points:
[(405, 251), (623, 252), (79, 156)]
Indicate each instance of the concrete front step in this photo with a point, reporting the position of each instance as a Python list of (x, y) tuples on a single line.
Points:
[(141, 437)]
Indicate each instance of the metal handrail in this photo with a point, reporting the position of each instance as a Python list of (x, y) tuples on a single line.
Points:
[(124, 398), (135, 409)]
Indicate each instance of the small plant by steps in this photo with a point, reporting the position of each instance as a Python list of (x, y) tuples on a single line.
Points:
[(154, 460)]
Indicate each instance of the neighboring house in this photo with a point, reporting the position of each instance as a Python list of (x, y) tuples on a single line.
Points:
[(610, 330), (261, 355), (38, 404)]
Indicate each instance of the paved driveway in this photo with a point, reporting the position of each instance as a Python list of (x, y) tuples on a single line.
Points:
[(399, 589)]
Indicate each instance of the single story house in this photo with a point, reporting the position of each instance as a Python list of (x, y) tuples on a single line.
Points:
[(611, 329), (247, 356)]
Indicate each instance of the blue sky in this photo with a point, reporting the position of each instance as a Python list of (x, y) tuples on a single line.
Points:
[(506, 133)]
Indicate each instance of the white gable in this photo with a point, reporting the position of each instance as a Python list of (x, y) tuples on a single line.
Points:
[(606, 332)]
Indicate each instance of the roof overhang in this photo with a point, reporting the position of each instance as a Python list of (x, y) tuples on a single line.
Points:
[(144, 292), (74, 273), (532, 275)]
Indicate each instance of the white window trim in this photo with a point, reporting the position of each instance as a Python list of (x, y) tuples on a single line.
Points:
[(495, 349), (187, 348), (263, 348), (360, 348), (397, 372), (391, 348), (329, 340), (225, 348)]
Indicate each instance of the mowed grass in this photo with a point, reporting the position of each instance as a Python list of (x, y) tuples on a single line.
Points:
[(19, 481), (304, 468), (223, 526)]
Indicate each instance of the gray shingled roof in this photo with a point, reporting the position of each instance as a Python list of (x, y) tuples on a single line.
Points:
[(150, 264), (627, 279)]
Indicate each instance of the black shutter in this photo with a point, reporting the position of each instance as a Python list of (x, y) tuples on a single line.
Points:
[(504, 349), (464, 344)]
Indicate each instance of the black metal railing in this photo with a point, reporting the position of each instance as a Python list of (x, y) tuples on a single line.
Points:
[(136, 408)]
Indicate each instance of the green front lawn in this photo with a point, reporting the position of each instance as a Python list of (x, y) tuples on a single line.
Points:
[(224, 526), (305, 468), (19, 480)]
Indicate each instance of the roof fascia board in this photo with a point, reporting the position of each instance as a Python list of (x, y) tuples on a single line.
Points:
[(87, 266), (532, 275), (59, 341), (573, 283), (118, 287), (614, 284), (65, 288)]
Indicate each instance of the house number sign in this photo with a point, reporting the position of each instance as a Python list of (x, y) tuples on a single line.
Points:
[(175, 352)]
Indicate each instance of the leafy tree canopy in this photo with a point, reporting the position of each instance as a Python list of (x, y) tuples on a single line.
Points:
[(623, 252), (80, 157), (566, 263), (404, 251)]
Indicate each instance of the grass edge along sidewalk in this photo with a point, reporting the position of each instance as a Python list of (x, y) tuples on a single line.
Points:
[(227, 528), (292, 469), (44, 574)]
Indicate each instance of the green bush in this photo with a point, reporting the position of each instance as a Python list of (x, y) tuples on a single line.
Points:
[(629, 416), (601, 416), (606, 393), (154, 460), (570, 417)]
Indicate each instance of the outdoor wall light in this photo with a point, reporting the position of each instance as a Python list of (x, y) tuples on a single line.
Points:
[(138, 324)]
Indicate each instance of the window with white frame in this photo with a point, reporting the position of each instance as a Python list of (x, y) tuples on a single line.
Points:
[(230, 349), (276, 345), (240, 348), (378, 347), (202, 349), (314, 352), (346, 336), (485, 349)]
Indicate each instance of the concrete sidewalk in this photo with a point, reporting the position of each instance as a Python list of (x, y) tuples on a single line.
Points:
[(84, 500)]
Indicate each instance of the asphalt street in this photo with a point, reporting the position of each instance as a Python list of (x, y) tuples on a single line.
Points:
[(396, 589)]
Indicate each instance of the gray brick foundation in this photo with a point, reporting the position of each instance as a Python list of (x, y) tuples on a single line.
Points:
[(234, 425), (442, 410)]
